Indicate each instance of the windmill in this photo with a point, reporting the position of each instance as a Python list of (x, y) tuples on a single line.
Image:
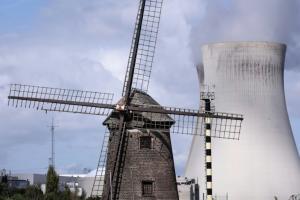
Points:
[(136, 114)]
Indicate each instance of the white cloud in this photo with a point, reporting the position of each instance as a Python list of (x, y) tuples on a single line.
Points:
[(271, 20), (114, 61), (292, 87)]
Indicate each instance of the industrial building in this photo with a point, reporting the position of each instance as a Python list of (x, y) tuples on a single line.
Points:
[(13, 181), (188, 189), (76, 182), (264, 164)]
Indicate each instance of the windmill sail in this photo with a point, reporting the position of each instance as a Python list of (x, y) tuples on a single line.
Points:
[(150, 14), (61, 100), (98, 184), (187, 121), (183, 121)]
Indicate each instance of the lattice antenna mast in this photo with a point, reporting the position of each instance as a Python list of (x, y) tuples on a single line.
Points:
[(52, 129)]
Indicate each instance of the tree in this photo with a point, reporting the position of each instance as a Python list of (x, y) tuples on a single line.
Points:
[(93, 198), (83, 195), (51, 196), (66, 194), (4, 179), (17, 196), (5, 191), (34, 193), (52, 181)]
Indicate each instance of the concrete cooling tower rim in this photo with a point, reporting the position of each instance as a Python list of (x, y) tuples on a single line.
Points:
[(256, 44)]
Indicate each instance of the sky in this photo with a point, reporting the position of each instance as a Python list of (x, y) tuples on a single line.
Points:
[(85, 45)]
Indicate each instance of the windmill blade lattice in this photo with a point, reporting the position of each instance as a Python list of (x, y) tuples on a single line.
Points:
[(146, 44), (184, 121), (224, 125), (61, 100), (98, 184)]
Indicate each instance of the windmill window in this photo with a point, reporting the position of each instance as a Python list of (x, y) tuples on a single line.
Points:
[(147, 187), (145, 142)]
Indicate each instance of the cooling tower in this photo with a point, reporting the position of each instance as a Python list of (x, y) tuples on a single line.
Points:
[(264, 163)]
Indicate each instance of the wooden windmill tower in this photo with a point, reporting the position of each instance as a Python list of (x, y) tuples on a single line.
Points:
[(136, 160)]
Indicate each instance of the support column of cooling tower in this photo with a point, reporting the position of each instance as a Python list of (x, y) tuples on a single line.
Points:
[(208, 159), (207, 96)]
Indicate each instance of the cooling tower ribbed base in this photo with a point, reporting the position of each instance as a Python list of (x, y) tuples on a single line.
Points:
[(264, 163)]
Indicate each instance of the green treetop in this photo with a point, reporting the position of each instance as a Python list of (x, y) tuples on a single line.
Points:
[(52, 181)]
